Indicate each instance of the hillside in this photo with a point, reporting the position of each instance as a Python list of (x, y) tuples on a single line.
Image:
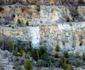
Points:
[(39, 15), (42, 35)]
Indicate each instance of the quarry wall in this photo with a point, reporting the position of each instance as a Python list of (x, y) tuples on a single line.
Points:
[(66, 35), (47, 26)]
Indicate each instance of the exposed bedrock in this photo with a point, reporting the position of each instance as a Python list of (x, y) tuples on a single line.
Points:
[(39, 15), (68, 35)]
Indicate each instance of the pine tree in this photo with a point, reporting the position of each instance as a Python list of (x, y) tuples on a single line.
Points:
[(77, 63), (27, 64), (69, 68), (57, 48), (84, 56), (16, 51), (27, 24), (9, 44), (39, 63), (66, 55)]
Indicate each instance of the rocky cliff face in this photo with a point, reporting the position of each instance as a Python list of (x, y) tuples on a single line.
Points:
[(81, 12), (69, 36), (47, 28), (18, 11), (53, 14), (39, 15)]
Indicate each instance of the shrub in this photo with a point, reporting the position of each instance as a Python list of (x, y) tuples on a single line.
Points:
[(9, 25), (66, 54), (27, 64), (32, 52), (69, 68), (17, 59), (57, 48), (67, 60), (52, 59), (12, 27), (14, 67), (1, 8), (84, 56), (21, 52), (62, 60), (67, 19), (41, 51), (16, 51), (77, 63), (19, 22), (50, 64), (22, 48), (39, 63), (13, 1), (56, 55), (44, 56), (18, 67), (27, 24), (13, 15), (62, 63), (77, 54), (9, 44)]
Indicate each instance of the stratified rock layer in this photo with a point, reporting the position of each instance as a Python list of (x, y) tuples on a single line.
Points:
[(47, 26), (67, 35), (39, 15)]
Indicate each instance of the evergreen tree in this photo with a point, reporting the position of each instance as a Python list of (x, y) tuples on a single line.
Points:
[(56, 55), (19, 22), (57, 48), (39, 63), (16, 51), (77, 54), (66, 55), (69, 68), (67, 19), (9, 44), (50, 64), (77, 63), (41, 51), (32, 52), (27, 24), (62, 63), (27, 64), (21, 52), (84, 56)]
